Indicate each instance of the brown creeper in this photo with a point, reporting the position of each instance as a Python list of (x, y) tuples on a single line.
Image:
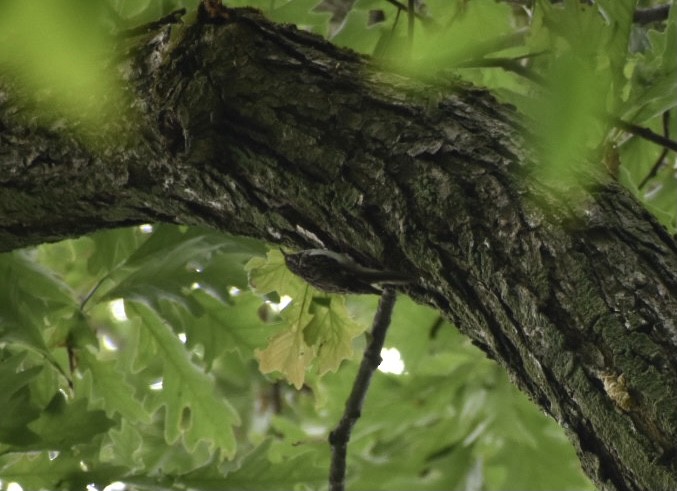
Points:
[(332, 272)]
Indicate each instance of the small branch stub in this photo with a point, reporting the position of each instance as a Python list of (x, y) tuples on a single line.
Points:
[(616, 388)]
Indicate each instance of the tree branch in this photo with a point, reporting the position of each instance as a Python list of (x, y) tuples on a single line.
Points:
[(645, 133), (339, 438), (659, 161), (658, 13), (268, 131)]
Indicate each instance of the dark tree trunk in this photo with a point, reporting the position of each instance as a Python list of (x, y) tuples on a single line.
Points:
[(267, 131)]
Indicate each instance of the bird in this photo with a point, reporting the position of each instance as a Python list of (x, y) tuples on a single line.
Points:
[(333, 272)]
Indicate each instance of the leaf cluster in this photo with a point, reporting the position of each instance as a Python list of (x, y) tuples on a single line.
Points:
[(136, 359)]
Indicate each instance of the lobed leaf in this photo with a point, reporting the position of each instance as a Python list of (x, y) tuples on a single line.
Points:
[(193, 409)]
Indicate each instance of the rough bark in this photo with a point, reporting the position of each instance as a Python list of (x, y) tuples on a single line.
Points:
[(267, 131)]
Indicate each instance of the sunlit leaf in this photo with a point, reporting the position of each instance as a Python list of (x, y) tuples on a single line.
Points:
[(331, 331), (270, 274), (287, 352)]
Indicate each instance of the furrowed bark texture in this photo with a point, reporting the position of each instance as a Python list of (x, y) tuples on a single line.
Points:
[(264, 130)]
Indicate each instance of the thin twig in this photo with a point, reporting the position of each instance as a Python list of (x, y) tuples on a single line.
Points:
[(659, 161), (338, 439), (410, 27), (435, 328), (426, 21), (651, 14), (401, 6), (643, 132)]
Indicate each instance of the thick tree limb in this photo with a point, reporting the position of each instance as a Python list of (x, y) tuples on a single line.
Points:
[(267, 131)]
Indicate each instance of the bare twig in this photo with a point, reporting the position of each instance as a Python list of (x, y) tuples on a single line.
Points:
[(426, 21), (410, 27), (645, 133), (435, 328), (659, 161), (651, 14), (338, 439)]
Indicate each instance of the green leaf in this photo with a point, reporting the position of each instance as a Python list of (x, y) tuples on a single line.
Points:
[(172, 261), (479, 29), (193, 409), (63, 425), (567, 117), (654, 86), (31, 299), (619, 14), (332, 331), (110, 248), (270, 274), (227, 269), (64, 63), (226, 327), (64, 471), (16, 405), (162, 267), (125, 447), (105, 380), (651, 98), (256, 472)]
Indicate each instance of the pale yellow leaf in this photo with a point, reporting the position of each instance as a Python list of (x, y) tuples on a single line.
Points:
[(288, 354)]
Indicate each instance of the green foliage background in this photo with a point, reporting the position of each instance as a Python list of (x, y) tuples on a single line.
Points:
[(170, 394), (143, 356)]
